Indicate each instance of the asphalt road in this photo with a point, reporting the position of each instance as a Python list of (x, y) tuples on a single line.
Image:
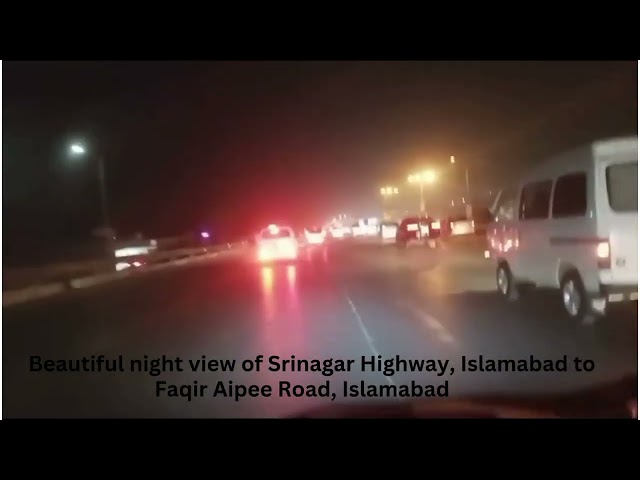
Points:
[(342, 301)]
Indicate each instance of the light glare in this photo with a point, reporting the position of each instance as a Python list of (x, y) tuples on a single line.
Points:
[(77, 149)]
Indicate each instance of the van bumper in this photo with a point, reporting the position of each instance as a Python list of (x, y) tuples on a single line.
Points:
[(619, 293), (608, 294)]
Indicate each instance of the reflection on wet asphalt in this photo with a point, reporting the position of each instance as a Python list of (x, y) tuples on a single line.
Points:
[(341, 301)]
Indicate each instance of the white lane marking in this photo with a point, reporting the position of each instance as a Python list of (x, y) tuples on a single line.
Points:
[(431, 322), (365, 332)]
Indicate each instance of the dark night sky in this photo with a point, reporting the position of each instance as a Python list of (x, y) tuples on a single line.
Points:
[(237, 144)]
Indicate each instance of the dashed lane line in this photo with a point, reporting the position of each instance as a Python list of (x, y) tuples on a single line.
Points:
[(431, 322), (365, 332)]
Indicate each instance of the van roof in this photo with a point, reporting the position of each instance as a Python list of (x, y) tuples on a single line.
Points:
[(614, 145), (582, 156)]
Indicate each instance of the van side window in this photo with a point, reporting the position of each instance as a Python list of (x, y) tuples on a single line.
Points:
[(622, 186), (534, 204), (570, 196), (505, 209)]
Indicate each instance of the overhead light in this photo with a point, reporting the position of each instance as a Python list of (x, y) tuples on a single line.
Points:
[(77, 149)]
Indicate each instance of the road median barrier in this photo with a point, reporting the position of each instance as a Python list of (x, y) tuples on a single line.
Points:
[(12, 297), (90, 281), (159, 261)]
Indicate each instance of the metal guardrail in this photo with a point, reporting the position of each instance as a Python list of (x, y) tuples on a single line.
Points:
[(55, 279)]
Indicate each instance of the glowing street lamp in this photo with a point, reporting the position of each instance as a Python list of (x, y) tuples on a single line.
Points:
[(388, 191), (79, 150), (466, 173), (427, 176), (422, 178)]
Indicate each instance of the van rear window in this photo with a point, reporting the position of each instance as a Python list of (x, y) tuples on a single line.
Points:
[(622, 187)]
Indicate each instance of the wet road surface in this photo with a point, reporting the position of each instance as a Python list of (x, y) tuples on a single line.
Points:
[(344, 301)]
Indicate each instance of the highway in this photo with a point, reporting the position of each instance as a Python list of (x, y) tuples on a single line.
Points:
[(342, 301)]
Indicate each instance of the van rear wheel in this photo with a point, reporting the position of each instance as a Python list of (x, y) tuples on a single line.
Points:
[(575, 300), (507, 286)]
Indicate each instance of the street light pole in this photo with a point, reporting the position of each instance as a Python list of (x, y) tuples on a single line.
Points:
[(466, 175), (103, 193), (427, 176), (106, 230), (387, 193)]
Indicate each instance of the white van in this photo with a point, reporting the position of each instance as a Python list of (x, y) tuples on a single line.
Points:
[(572, 224)]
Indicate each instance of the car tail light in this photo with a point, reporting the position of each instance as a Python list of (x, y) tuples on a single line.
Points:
[(516, 241), (603, 252)]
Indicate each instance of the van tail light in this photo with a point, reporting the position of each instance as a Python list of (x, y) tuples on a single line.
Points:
[(603, 252)]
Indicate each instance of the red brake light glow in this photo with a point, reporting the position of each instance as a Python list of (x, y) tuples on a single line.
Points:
[(281, 249)]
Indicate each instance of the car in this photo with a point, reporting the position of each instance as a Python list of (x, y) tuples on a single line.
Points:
[(357, 230), (131, 262), (417, 230), (474, 223), (460, 225), (337, 232), (314, 235), (481, 217), (388, 231), (276, 243), (435, 228), (571, 224)]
